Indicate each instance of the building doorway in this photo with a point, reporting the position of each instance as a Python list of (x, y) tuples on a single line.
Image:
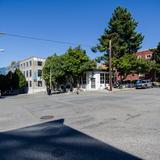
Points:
[(93, 83)]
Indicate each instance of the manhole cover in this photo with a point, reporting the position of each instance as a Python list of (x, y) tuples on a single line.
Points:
[(47, 117), (58, 152)]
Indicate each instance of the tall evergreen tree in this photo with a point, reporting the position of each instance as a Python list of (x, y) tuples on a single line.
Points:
[(9, 80), (3, 84), (122, 31)]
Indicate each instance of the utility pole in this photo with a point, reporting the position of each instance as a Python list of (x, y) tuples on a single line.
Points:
[(110, 65)]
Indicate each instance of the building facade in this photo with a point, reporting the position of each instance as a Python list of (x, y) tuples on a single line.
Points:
[(147, 54), (32, 70), (95, 80)]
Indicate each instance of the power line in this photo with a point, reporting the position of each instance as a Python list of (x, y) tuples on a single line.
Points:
[(42, 39)]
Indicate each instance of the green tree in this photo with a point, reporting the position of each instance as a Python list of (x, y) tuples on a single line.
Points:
[(125, 65), (156, 59), (19, 81), (122, 31), (12, 81), (8, 79), (3, 84), (77, 62), (156, 54), (129, 64), (54, 69), (125, 40), (68, 67)]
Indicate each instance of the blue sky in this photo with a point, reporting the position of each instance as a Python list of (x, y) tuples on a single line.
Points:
[(76, 21)]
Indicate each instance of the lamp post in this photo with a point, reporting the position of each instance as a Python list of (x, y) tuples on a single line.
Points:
[(110, 65)]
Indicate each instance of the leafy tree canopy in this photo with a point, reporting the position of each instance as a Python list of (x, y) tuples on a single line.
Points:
[(156, 59), (19, 79), (54, 67), (12, 81), (70, 65), (129, 64), (77, 61)]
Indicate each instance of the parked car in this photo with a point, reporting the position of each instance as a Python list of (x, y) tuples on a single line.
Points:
[(156, 84), (124, 84), (143, 84)]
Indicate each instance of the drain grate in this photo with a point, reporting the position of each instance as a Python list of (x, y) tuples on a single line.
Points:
[(46, 117)]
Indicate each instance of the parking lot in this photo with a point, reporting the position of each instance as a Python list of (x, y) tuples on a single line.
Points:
[(128, 120)]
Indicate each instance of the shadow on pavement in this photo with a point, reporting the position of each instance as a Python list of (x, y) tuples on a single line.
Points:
[(55, 141)]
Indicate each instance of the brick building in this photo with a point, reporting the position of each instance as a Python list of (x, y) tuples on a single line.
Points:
[(147, 55)]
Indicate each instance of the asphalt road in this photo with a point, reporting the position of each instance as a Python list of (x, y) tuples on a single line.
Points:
[(55, 141), (127, 120)]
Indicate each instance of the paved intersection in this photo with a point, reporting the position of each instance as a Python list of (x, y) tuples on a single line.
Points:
[(127, 120)]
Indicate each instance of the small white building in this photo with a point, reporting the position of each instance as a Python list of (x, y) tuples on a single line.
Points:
[(32, 70), (95, 80)]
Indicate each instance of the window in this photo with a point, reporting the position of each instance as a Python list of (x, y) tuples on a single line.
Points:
[(39, 83), (24, 64), (39, 73), (102, 78), (148, 56), (27, 64), (30, 83), (106, 78), (30, 73), (93, 83), (39, 63), (24, 73), (30, 63)]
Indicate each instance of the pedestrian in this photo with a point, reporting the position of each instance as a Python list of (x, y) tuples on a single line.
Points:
[(48, 91)]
